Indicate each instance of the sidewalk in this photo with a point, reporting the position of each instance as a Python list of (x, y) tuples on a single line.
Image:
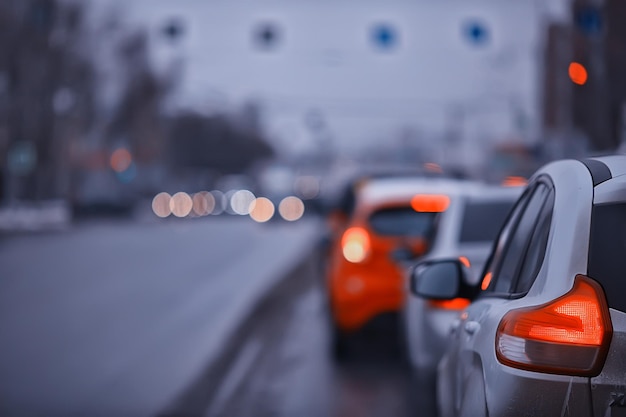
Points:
[(30, 216)]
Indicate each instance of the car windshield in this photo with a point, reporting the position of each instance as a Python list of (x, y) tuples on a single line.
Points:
[(607, 246), (482, 220), (402, 221)]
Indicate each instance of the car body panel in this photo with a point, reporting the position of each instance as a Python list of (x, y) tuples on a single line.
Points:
[(360, 291), (426, 322), (471, 360), (608, 390)]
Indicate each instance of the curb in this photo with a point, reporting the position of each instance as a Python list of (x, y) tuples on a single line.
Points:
[(199, 395)]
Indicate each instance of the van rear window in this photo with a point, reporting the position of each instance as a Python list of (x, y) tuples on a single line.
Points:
[(402, 221), (482, 220)]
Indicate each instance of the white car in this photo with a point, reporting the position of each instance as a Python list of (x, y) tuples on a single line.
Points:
[(545, 334), (466, 231)]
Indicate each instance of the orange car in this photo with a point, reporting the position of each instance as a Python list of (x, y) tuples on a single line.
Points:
[(393, 220)]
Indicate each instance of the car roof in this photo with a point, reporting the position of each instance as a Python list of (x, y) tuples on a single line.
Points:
[(600, 170), (447, 241), (380, 191), (615, 163)]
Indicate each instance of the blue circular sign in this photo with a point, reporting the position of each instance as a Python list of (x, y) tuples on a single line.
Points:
[(476, 32), (384, 36), (267, 35), (589, 20)]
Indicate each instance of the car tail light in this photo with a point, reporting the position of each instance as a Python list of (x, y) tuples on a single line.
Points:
[(430, 203), (569, 335), (454, 304), (514, 181), (355, 244)]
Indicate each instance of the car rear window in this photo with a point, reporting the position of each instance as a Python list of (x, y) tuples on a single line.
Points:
[(482, 220), (607, 252), (402, 221)]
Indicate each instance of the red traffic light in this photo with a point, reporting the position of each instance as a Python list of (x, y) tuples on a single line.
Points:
[(577, 73)]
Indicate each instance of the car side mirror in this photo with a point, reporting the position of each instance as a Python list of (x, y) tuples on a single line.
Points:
[(440, 280)]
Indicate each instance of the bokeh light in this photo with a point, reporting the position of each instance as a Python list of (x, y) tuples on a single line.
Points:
[(261, 209), (181, 204), (228, 196), (577, 73), (121, 159), (307, 187), (355, 244), (433, 167), (128, 175), (486, 281), (219, 202), (514, 181), (161, 205), (203, 203), (291, 208), (240, 202)]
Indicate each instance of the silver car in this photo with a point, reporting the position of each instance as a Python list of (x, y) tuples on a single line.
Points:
[(545, 334), (466, 230)]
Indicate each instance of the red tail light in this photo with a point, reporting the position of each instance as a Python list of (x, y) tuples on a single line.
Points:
[(355, 244), (430, 203), (454, 304), (570, 335)]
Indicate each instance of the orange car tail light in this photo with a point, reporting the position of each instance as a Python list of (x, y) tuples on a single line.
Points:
[(454, 304), (355, 244), (514, 181), (570, 335), (430, 203)]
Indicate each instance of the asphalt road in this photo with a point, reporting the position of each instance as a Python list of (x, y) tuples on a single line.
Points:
[(125, 319), (281, 363)]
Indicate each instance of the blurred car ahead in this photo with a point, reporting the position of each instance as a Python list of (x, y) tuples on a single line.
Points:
[(466, 231), (546, 332), (392, 220), (341, 205)]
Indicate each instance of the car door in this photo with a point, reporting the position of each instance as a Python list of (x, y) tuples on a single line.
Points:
[(607, 265), (515, 260)]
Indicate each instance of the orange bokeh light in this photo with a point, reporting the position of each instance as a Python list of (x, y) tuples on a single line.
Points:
[(577, 73), (465, 261), (486, 281), (433, 167), (513, 181), (121, 160), (355, 244)]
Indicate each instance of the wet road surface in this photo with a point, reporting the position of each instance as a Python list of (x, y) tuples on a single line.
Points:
[(139, 320), (284, 365)]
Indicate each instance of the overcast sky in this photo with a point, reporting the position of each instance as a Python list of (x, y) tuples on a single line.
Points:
[(370, 69)]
